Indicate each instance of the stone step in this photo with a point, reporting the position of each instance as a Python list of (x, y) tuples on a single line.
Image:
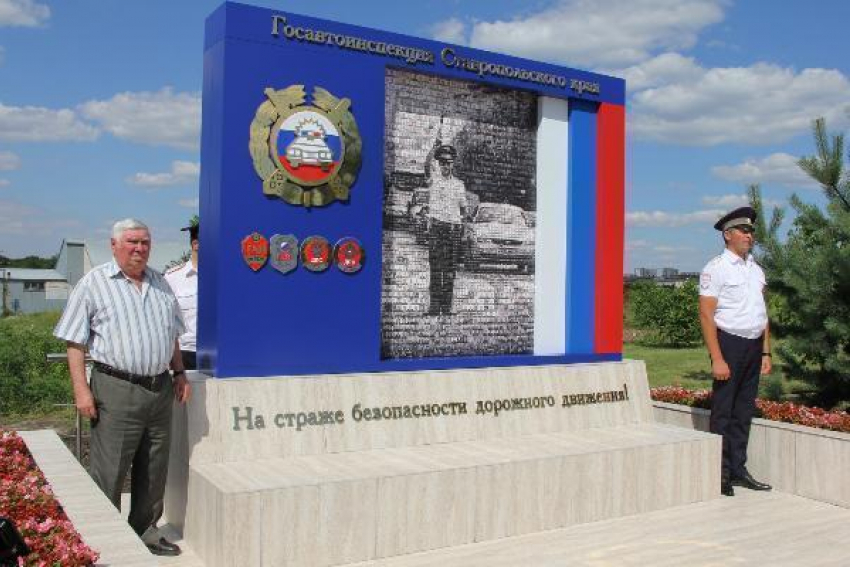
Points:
[(336, 508)]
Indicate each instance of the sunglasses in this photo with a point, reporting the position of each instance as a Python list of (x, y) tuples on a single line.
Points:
[(745, 228)]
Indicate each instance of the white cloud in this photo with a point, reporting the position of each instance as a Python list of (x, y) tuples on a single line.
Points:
[(668, 220), (38, 124), (726, 201), (664, 69), (182, 173), (155, 118), (189, 203), (596, 32), (2, 54), (779, 168), (450, 31), (760, 104), (18, 219), (5, 182), (9, 161), (22, 13)]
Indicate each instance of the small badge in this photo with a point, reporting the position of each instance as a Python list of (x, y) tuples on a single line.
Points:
[(255, 250), (284, 252), (704, 280), (349, 255), (315, 253), (307, 155)]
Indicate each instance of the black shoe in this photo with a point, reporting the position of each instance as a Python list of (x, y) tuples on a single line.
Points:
[(726, 487), (746, 480), (164, 547)]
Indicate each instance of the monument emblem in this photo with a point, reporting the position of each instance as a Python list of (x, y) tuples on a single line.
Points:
[(284, 252), (306, 155), (255, 250), (349, 255), (315, 253)]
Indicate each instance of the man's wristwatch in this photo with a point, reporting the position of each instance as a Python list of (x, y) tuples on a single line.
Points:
[(767, 354)]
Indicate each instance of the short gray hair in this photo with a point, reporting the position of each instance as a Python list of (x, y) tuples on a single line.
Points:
[(127, 224)]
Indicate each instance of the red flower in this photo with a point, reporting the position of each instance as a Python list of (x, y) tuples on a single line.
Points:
[(26, 498)]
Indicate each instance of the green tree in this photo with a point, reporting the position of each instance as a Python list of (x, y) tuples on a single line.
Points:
[(669, 314), (809, 275)]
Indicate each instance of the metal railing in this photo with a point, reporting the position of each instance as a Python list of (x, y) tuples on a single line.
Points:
[(62, 358)]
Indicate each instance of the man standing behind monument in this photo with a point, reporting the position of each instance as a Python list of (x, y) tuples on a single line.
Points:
[(183, 279), (735, 328), (446, 211), (127, 318)]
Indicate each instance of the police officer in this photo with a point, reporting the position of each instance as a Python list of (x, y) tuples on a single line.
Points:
[(183, 280), (446, 211), (735, 328)]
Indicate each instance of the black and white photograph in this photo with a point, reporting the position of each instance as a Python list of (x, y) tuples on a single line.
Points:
[(459, 218)]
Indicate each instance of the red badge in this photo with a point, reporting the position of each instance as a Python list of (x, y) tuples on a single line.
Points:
[(255, 250), (315, 253), (348, 255)]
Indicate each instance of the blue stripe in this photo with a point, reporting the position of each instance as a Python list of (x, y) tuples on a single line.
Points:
[(581, 228)]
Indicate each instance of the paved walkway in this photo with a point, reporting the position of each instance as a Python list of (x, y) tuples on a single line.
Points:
[(753, 528)]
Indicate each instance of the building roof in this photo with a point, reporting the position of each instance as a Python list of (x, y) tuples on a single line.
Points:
[(31, 274)]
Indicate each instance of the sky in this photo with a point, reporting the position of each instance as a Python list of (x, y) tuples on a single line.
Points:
[(100, 105)]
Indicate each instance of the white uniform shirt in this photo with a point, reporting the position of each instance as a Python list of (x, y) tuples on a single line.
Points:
[(184, 282), (446, 197), (738, 285), (128, 328)]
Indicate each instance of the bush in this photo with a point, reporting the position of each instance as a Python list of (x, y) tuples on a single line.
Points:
[(28, 383), (787, 412), (670, 315)]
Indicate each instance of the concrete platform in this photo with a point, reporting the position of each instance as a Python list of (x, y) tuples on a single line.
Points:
[(751, 529)]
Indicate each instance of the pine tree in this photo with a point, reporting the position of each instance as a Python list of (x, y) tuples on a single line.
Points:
[(809, 275)]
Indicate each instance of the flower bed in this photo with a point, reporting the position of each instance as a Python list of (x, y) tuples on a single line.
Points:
[(26, 499), (787, 412)]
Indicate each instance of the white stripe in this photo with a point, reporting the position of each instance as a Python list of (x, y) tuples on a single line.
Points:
[(550, 250)]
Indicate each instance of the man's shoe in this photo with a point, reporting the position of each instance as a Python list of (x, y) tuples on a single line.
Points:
[(164, 547), (726, 487), (746, 480)]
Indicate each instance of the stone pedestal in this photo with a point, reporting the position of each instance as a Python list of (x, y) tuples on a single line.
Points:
[(328, 470)]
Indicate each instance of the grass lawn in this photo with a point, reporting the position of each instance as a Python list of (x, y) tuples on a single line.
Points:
[(690, 368)]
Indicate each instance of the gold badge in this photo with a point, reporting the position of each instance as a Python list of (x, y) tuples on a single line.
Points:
[(306, 155)]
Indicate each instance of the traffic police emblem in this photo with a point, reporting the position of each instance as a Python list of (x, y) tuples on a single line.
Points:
[(284, 252), (305, 155), (315, 253), (349, 255), (255, 250)]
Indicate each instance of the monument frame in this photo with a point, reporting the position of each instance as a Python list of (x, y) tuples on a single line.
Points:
[(265, 323)]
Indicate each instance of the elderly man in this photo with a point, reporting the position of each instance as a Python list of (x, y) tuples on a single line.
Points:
[(734, 324), (446, 210), (127, 318), (183, 280)]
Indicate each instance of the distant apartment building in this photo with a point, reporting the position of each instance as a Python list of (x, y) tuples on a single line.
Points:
[(27, 290)]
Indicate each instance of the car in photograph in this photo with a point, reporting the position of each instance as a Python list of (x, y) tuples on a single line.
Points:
[(309, 151), (499, 234)]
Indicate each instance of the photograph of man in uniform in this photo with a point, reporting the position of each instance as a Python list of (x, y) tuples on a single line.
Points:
[(446, 212), (460, 161)]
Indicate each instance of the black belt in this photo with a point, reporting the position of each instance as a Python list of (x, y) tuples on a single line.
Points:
[(152, 383)]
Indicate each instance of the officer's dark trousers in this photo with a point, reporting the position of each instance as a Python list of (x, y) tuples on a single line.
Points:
[(734, 400), (133, 426), (443, 247)]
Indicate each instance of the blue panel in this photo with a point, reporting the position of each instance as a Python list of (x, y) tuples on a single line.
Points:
[(265, 323), (581, 231)]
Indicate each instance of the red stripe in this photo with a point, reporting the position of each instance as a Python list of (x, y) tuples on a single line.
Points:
[(610, 220)]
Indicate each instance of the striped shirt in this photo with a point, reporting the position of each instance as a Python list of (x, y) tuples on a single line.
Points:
[(127, 328)]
